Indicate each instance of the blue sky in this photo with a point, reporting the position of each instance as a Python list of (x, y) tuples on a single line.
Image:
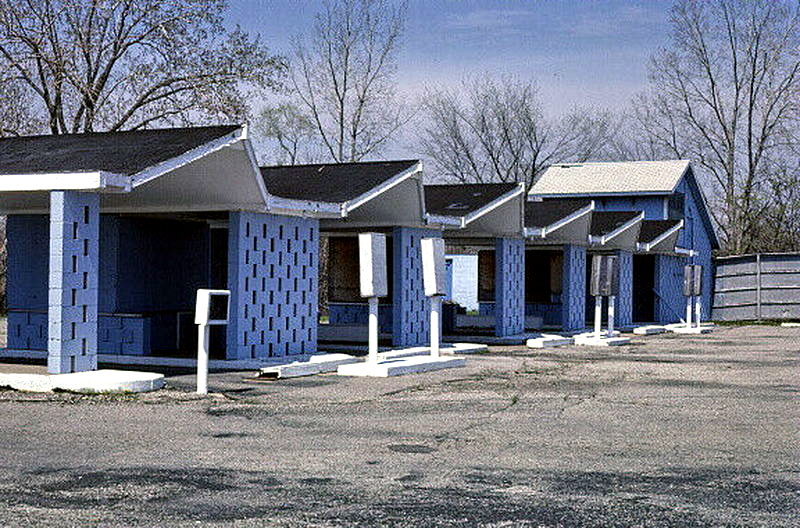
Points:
[(580, 52)]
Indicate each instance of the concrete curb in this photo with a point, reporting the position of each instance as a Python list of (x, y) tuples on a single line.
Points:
[(92, 382)]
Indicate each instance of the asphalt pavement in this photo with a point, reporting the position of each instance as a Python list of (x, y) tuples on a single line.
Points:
[(670, 431)]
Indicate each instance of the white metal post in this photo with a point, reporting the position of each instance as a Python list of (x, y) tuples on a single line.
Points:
[(611, 316), (373, 329), (202, 359), (688, 312), (598, 316), (436, 304), (697, 310)]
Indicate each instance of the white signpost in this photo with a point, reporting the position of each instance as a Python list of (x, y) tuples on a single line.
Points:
[(373, 281), (212, 308), (434, 284), (604, 282), (692, 290)]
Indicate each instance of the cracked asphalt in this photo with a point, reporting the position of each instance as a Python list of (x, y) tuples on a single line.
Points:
[(670, 431)]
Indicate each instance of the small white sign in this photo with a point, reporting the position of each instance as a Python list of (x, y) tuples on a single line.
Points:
[(433, 267), (212, 307), (372, 261)]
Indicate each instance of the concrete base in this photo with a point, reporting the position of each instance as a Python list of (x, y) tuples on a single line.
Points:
[(682, 329), (790, 325), (549, 341), (592, 340), (518, 339), (92, 382), (649, 330), (400, 366), (318, 364), (449, 349)]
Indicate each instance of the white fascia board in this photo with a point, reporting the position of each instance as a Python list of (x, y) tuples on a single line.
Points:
[(567, 219), (444, 221), (72, 181), (399, 178), (685, 252), (663, 236), (602, 240), (534, 232), (177, 162), (488, 208), (288, 206), (251, 156)]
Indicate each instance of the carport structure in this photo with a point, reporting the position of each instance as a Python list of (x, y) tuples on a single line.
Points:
[(386, 197), (557, 236), (487, 218), (128, 225), (658, 272)]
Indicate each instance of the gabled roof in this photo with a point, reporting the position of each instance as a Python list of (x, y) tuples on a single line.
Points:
[(653, 229), (610, 178), (331, 182), (121, 153), (605, 222), (463, 199), (547, 212)]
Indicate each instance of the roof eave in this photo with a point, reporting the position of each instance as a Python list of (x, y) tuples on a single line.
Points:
[(89, 181), (494, 204), (395, 180)]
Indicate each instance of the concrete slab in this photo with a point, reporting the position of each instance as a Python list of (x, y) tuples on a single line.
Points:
[(649, 330), (518, 339), (96, 381), (691, 330), (448, 349), (549, 341), (592, 340), (400, 366), (318, 364)]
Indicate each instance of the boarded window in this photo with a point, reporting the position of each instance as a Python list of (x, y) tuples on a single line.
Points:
[(486, 275), (343, 270)]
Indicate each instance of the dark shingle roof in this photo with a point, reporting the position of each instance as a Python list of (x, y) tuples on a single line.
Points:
[(548, 212), (604, 222), (462, 199), (117, 152), (652, 229), (334, 182)]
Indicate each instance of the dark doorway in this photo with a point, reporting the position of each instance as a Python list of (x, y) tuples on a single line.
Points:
[(644, 300)]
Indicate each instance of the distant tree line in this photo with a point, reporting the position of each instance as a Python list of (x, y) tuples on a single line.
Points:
[(724, 92)]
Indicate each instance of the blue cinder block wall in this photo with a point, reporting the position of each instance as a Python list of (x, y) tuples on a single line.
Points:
[(149, 271), (410, 320), (273, 275), (509, 284)]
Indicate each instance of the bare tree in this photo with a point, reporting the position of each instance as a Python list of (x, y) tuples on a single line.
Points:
[(725, 93), (293, 133), (127, 64), (343, 77), (15, 114), (495, 130)]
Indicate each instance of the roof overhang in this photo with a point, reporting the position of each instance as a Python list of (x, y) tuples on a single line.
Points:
[(502, 217), (398, 201), (571, 229), (625, 236), (663, 243), (99, 181)]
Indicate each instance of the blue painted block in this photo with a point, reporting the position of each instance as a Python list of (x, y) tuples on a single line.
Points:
[(573, 289), (410, 318), (623, 312), (73, 269), (509, 287), (273, 269)]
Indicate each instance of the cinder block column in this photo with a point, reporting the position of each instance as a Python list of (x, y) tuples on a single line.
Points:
[(573, 289), (624, 301), (410, 321), (273, 276), (73, 283), (509, 287)]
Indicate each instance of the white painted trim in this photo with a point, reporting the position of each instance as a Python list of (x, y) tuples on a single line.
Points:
[(491, 206), (254, 207), (280, 205), (567, 219), (605, 239), (65, 181), (399, 178), (665, 212), (177, 162), (685, 252), (251, 155), (663, 236), (599, 194), (443, 220)]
